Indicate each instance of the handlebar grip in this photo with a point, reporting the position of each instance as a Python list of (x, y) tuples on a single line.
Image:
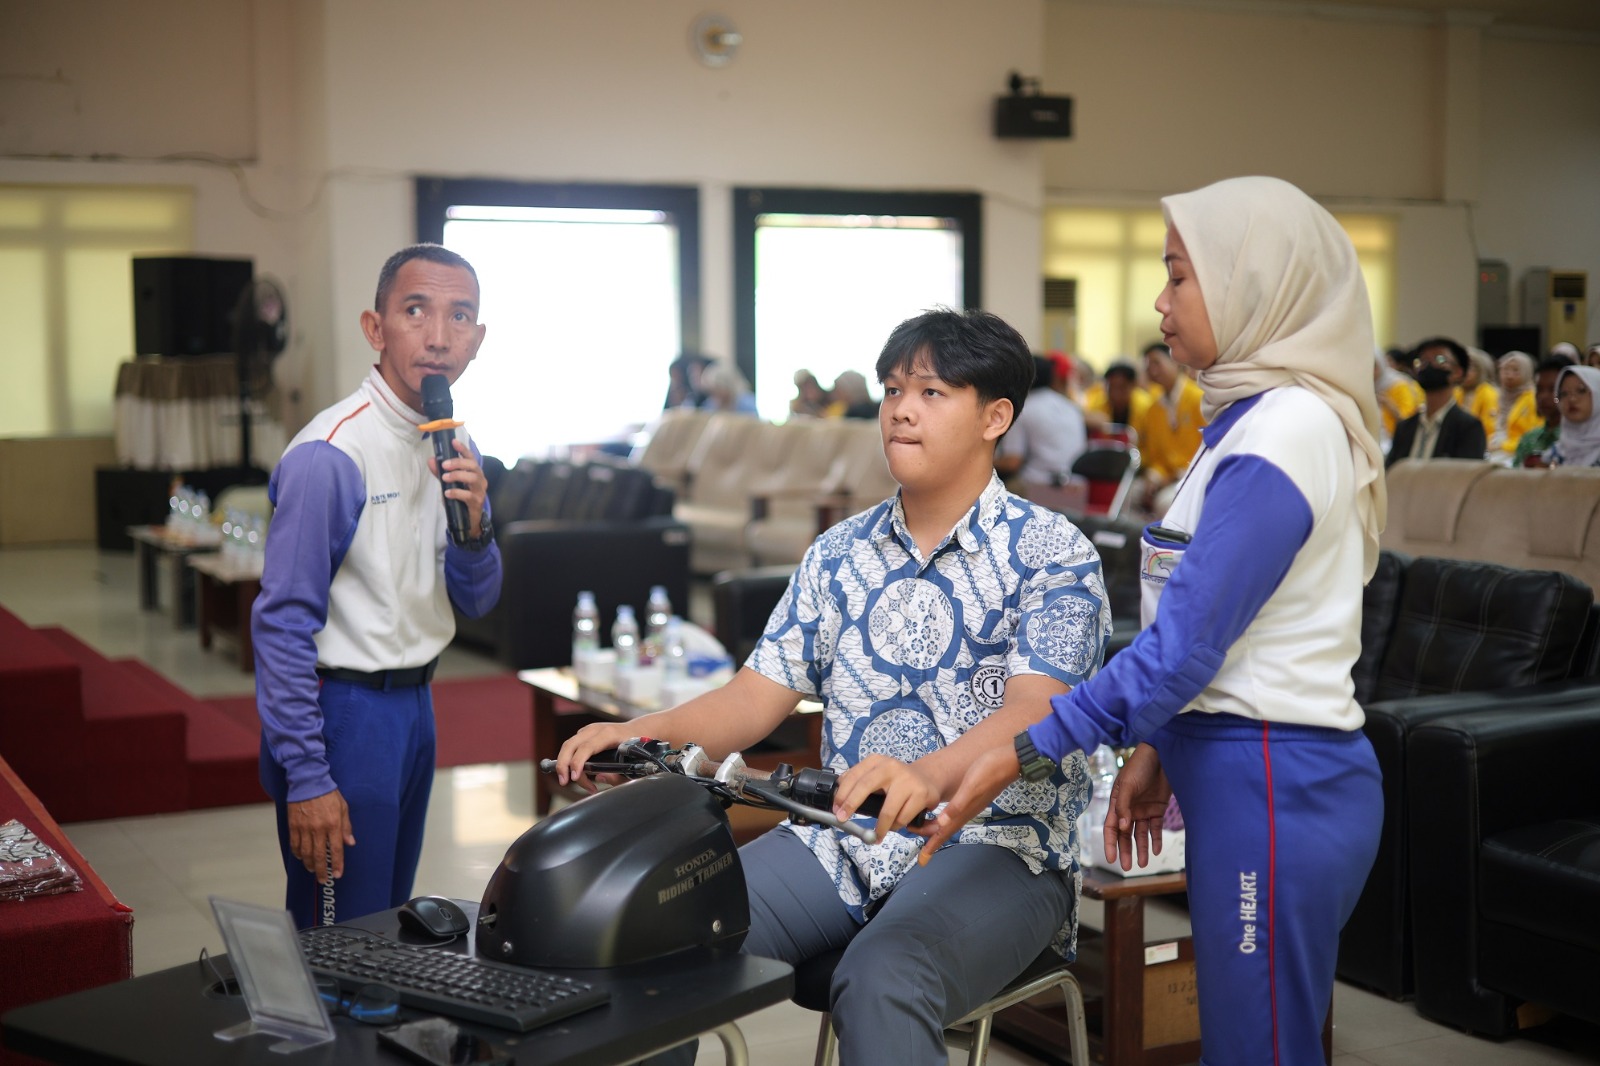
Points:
[(815, 788)]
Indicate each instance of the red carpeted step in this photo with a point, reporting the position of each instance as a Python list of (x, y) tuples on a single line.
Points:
[(132, 756), (239, 709), (479, 719), (40, 694), (222, 753)]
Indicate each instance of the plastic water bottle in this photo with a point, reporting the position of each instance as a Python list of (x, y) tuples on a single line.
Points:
[(655, 625), (585, 631), (255, 539), (1103, 770), (625, 640), (674, 658)]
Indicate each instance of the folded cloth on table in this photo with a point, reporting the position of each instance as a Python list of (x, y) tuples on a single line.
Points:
[(30, 867)]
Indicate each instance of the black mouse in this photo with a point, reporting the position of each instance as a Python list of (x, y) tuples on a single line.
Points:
[(433, 916)]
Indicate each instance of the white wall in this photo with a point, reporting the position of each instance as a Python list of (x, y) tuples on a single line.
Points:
[(352, 98), (890, 95), (1541, 160), (1455, 131), (333, 105)]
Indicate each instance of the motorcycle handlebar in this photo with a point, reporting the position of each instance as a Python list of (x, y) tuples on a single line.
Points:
[(807, 794)]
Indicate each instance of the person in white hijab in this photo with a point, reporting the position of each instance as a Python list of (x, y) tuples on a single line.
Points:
[(1579, 445), (1237, 691)]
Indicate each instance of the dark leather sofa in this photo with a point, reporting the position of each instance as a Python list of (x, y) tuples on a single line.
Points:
[(568, 527), (1443, 637), (1505, 835)]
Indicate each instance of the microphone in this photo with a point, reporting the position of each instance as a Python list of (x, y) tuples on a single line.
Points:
[(442, 429)]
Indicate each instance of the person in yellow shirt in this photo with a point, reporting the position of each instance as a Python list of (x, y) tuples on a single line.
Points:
[(1169, 433), (1476, 394), (1118, 400), (1517, 412), (1399, 395)]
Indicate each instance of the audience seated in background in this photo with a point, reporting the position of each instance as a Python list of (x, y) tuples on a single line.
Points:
[(1580, 429), (1593, 358), (1517, 412), (851, 398), (1074, 376), (1441, 429), (1118, 400), (1534, 443), (726, 389), (1399, 395), (1399, 359), (1169, 432), (1568, 350), (810, 398), (1477, 394), (1046, 437), (683, 381)]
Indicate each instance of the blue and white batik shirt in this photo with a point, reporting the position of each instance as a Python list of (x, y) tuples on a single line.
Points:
[(907, 653)]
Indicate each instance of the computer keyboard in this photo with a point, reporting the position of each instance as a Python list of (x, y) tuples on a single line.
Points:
[(444, 982)]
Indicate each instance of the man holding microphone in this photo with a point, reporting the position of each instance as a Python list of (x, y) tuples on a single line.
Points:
[(359, 576)]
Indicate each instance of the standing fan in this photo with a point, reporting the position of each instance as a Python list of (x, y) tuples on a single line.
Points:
[(260, 334)]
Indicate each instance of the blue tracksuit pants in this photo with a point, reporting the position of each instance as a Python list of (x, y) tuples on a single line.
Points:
[(380, 746), (1282, 827)]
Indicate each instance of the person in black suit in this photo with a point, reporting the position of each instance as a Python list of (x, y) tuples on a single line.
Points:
[(1440, 430)]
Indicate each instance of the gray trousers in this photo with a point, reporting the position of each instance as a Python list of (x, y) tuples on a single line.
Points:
[(950, 935), (948, 938)]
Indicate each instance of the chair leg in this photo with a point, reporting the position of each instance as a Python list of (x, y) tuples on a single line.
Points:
[(735, 1052), (1077, 1024), (978, 1052), (827, 1043)]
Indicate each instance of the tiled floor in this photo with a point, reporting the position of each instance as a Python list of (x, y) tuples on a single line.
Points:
[(166, 866)]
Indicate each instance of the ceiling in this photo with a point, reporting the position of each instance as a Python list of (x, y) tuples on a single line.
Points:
[(1569, 16)]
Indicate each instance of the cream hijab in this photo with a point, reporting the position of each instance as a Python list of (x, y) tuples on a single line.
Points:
[(1288, 306)]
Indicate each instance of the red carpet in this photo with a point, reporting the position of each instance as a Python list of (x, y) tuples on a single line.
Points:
[(480, 719)]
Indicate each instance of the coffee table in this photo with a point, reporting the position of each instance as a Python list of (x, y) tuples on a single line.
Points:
[(150, 544), (227, 589)]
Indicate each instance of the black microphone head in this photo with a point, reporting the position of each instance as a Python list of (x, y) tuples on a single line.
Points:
[(436, 403)]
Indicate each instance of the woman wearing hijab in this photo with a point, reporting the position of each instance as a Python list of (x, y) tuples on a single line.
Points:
[(1517, 411), (1238, 690), (1580, 429)]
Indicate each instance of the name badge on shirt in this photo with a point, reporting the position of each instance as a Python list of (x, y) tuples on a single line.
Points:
[(1160, 551)]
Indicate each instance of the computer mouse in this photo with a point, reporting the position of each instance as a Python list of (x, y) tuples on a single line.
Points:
[(433, 916)]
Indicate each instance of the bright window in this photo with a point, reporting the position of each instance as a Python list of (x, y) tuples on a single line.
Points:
[(821, 277), (66, 268), (830, 288), (1114, 257), (586, 301)]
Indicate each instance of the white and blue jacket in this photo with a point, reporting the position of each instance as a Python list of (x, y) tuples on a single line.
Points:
[(1262, 617), (359, 571)]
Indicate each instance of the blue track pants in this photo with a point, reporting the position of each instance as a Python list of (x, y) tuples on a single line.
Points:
[(381, 753), (1282, 825)]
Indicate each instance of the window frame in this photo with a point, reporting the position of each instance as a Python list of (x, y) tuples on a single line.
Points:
[(436, 195), (751, 202)]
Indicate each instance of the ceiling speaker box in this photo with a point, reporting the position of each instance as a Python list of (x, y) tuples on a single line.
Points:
[(1024, 116)]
